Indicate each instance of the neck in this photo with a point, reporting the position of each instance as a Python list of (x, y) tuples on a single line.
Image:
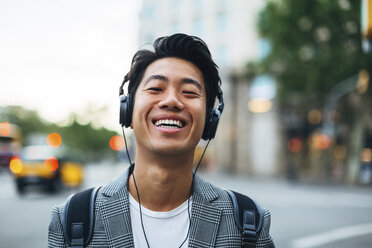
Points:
[(163, 182)]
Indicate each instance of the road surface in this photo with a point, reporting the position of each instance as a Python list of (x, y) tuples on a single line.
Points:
[(303, 216)]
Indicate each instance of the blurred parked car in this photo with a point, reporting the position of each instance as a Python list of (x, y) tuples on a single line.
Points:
[(45, 166), (10, 143)]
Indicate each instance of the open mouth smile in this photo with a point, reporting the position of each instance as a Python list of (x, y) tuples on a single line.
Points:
[(169, 123)]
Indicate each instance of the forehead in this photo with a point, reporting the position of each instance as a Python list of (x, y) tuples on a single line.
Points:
[(174, 68)]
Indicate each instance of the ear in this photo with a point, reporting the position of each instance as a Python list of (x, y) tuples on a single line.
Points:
[(131, 125)]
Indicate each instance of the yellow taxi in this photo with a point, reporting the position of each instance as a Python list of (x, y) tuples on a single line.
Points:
[(44, 165)]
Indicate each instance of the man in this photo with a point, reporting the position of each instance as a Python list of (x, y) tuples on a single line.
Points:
[(159, 202)]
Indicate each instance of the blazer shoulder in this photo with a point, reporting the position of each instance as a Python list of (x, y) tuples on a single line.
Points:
[(264, 238), (55, 230), (210, 192), (224, 203)]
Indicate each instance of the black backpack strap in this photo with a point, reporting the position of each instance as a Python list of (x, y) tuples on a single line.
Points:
[(248, 217), (78, 219)]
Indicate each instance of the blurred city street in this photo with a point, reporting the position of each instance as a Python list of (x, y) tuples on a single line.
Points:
[(303, 216), (295, 91)]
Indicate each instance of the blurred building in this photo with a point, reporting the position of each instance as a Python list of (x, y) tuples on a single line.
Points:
[(228, 27), (246, 142)]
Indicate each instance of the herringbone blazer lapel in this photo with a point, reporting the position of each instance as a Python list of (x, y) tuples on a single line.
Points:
[(205, 217), (116, 214)]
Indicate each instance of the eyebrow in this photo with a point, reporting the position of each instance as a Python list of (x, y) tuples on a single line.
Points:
[(184, 80), (156, 77)]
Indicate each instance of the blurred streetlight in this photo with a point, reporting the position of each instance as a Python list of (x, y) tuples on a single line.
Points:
[(314, 116), (363, 81), (357, 82), (15, 165), (259, 105), (262, 91), (366, 155), (323, 141), (51, 163), (54, 140), (5, 128), (366, 24), (294, 145), (116, 143), (340, 152), (339, 90)]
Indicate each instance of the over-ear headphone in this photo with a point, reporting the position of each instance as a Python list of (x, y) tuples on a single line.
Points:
[(126, 105), (213, 117), (211, 122)]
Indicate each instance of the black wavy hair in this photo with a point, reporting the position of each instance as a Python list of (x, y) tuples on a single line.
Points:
[(189, 48)]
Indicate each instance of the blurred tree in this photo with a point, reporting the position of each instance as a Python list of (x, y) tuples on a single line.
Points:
[(314, 45), (85, 141), (29, 121), (91, 143)]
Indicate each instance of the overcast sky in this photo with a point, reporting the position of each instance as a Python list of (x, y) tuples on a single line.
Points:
[(59, 57)]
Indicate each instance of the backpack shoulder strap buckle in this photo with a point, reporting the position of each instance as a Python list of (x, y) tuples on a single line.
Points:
[(248, 217), (78, 218)]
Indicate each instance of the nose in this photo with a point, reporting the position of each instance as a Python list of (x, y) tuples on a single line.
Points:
[(171, 101)]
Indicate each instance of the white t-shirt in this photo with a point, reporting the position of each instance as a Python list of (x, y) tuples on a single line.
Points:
[(163, 229)]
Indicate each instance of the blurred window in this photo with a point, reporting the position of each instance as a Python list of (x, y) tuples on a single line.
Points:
[(222, 21), (175, 4), (221, 3), (263, 87), (148, 12), (175, 27), (264, 48), (34, 153), (149, 38), (198, 5), (198, 26), (222, 57)]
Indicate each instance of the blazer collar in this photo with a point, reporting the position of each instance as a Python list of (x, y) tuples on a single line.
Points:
[(205, 217), (117, 184), (116, 214), (203, 188)]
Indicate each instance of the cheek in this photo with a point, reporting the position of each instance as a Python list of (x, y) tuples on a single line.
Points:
[(137, 111), (141, 109), (138, 123), (200, 115)]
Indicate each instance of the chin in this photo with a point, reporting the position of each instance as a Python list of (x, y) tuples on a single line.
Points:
[(169, 149)]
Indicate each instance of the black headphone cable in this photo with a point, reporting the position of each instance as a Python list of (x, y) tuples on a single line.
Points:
[(131, 172)]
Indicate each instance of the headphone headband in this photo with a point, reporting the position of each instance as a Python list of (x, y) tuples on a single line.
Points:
[(220, 99), (121, 90)]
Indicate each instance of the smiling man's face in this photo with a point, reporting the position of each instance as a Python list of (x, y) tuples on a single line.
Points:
[(169, 107)]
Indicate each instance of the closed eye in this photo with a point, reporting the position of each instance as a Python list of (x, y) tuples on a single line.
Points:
[(155, 89), (190, 93)]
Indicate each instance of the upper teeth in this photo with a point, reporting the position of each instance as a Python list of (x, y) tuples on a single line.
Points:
[(169, 122)]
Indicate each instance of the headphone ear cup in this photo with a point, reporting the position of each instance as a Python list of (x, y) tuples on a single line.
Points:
[(129, 112), (211, 124), (126, 110), (123, 109), (207, 124)]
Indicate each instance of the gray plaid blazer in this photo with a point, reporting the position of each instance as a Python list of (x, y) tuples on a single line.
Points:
[(212, 223)]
